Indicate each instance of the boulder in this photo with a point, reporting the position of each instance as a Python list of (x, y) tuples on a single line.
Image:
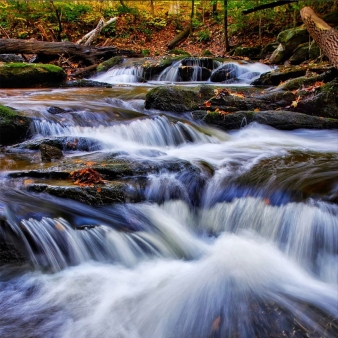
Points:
[(323, 102), (305, 52), (22, 75), (49, 153), (177, 98), (278, 55), (250, 52), (269, 49), (13, 127)]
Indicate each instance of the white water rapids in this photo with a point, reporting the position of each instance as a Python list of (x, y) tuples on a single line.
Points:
[(203, 256)]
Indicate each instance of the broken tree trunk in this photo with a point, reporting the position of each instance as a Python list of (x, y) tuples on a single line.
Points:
[(52, 50), (92, 35), (325, 36), (178, 38)]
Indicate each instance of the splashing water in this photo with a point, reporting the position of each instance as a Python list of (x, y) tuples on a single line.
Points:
[(205, 255)]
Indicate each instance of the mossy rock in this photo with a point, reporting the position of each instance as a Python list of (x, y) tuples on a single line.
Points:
[(177, 98), (23, 75), (323, 102), (268, 49), (250, 52), (305, 52), (292, 38), (275, 77), (106, 65), (179, 52), (13, 127)]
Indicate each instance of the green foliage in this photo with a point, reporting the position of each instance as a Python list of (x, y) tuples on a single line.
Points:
[(72, 12), (145, 52), (203, 35)]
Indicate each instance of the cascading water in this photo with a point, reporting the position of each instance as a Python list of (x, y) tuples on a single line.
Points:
[(221, 246)]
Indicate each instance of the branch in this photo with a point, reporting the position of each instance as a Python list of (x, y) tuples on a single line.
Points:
[(270, 5)]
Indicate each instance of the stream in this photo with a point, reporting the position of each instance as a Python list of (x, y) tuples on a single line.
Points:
[(242, 241)]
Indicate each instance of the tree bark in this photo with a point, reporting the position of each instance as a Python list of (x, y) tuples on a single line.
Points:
[(178, 38), (270, 5), (325, 36), (226, 38), (92, 55)]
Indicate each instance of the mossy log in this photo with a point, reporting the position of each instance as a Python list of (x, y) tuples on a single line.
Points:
[(93, 55), (325, 36)]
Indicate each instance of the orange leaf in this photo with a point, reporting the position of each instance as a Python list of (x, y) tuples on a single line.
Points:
[(98, 189), (28, 181), (256, 110), (207, 104)]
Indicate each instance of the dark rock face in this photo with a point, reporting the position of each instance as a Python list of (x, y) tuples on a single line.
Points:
[(193, 73), (83, 83), (323, 102), (23, 75), (49, 153), (283, 120), (223, 73), (13, 127), (11, 58)]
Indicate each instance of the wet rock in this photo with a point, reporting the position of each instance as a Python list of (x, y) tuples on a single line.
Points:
[(208, 63), (11, 58), (86, 83), (65, 143), (153, 67), (56, 110), (177, 98), (275, 77), (225, 72), (115, 192), (302, 174), (9, 254), (194, 73), (283, 120), (19, 75), (13, 127), (49, 153)]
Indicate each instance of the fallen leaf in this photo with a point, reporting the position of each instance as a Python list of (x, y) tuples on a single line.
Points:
[(28, 181)]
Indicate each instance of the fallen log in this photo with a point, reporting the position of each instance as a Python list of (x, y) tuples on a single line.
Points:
[(50, 50), (269, 5), (325, 36), (178, 38)]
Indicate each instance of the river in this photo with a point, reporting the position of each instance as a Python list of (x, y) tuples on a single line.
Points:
[(245, 246)]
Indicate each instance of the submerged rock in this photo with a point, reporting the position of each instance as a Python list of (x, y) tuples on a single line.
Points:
[(49, 153), (13, 127), (22, 75)]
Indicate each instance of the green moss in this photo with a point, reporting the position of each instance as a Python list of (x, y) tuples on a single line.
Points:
[(6, 112), (21, 65), (179, 52), (109, 63)]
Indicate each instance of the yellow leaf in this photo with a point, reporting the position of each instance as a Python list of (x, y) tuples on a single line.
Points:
[(28, 181), (256, 109)]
